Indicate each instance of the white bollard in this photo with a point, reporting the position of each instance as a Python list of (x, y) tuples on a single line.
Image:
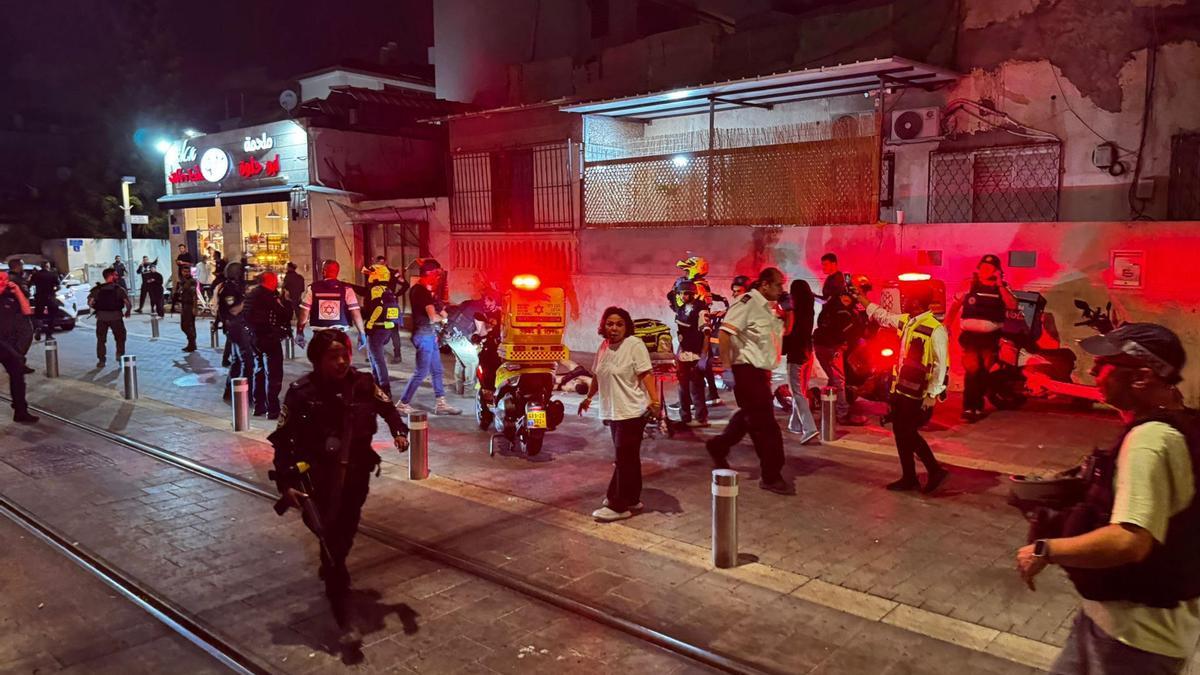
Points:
[(241, 403), (51, 346), (129, 374), (724, 518), (828, 414), (418, 445)]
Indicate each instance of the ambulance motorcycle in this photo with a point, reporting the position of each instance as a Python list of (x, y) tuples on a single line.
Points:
[(518, 405)]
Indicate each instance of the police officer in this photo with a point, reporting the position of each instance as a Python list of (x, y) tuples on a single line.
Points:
[(269, 320), (984, 302), (152, 285), (383, 313), (330, 303), (22, 328), (918, 380), (110, 305), (751, 339), (45, 283), (14, 309), (187, 296), (231, 298), (327, 422), (144, 268)]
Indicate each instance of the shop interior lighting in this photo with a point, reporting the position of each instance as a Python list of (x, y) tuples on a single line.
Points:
[(272, 215)]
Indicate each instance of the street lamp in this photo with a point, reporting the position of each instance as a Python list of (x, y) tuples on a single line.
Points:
[(126, 181)]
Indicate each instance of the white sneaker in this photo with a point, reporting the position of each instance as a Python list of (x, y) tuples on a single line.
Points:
[(607, 515), (404, 408), (444, 408), (636, 507)]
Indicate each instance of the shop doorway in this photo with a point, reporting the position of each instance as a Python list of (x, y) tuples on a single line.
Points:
[(400, 244)]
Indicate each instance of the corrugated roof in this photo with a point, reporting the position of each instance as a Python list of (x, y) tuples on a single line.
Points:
[(769, 90)]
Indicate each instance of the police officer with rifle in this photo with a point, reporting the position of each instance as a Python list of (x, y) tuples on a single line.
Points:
[(269, 319), (323, 458), (231, 298)]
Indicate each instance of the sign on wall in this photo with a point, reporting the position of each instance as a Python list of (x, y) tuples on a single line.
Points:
[(1127, 269), (263, 156)]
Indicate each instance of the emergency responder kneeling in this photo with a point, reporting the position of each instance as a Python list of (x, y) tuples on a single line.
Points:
[(918, 380), (323, 458)]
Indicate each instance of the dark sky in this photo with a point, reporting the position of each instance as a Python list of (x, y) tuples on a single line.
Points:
[(61, 57)]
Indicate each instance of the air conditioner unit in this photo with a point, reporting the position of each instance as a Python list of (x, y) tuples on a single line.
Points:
[(915, 124)]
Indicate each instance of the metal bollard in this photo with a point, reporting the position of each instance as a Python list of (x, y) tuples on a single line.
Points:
[(289, 348), (418, 445), (241, 403), (214, 336), (828, 414), (51, 346), (129, 375), (724, 518), (153, 326)]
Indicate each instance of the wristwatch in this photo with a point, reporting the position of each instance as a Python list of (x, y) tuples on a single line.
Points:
[(1041, 549)]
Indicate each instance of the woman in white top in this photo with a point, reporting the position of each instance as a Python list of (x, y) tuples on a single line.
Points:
[(625, 382)]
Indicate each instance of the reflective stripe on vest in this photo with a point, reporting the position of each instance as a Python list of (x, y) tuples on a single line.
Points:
[(921, 327)]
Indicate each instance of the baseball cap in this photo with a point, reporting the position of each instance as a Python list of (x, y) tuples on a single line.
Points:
[(429, 265), (1158, 347), (991, 259)]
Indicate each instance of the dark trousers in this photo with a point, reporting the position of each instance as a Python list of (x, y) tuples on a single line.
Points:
[(908, 417), (691, 391), (268, 377), (340, 526), (241, 354), (142, 296), (14, 365), (187, 323), (43, 315), (104, 323), (625, 487), (156, 301), (755, 416), (979, 352)]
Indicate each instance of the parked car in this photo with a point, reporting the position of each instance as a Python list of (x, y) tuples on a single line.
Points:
[(72, 297)]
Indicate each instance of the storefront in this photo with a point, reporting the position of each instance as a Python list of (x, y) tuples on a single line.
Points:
[(240, 192)]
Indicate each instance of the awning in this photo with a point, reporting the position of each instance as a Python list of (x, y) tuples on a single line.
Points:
[(188, 201), (275, 193), (770, 90)]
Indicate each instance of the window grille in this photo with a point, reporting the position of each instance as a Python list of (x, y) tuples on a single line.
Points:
[(999, 184)]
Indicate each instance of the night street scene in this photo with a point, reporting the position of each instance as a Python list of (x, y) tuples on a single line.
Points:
[(600, 336)]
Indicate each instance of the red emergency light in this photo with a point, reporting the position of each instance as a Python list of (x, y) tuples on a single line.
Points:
[(914, 276), (887, 352), (526, 282)]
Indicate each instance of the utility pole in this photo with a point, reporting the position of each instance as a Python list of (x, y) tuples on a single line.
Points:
[(130, 272)]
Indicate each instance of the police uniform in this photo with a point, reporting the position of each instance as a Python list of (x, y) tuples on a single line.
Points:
[(329, 303), (108, 302), (14, 310), (268, 319), (316, 420), (983, 314), (231, 301), (756, 335), (187, 296), (919, 374), (381, 318)]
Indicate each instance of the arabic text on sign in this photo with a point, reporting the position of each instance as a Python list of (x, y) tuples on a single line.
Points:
[(251, 167)]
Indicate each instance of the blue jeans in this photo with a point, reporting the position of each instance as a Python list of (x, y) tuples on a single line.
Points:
[(1090, 651), (377, 340), (429, 362), (801, 421)]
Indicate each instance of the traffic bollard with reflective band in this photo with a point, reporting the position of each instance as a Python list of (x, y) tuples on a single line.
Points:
[(153, 326), (418, 445), (51, 357), (828, 414), (240, 387), (214, 336), (129, 374), (724, 518), (289, 348)]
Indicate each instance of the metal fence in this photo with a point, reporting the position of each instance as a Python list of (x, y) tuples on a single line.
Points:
[(1183, 190), (834, 180), (513, 189), (998, 184)]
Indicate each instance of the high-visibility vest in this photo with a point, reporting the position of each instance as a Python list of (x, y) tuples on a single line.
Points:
[(910, 375)]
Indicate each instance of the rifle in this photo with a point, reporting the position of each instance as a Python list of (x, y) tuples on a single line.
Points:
[(299, 472)]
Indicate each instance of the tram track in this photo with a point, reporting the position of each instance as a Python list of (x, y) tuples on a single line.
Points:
[(696, 653)]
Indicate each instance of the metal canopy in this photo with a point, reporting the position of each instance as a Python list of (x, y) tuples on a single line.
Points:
[(770, 90)]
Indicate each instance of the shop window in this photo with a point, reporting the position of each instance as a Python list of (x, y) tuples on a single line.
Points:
[(265, 236)]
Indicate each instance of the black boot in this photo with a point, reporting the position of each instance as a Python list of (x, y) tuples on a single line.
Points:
[(24, 417)]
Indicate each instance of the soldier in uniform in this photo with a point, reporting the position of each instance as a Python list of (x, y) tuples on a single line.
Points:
[(323, 444), (230, 302), (110, 305), (269, 320), (14, 309), (187, 296)]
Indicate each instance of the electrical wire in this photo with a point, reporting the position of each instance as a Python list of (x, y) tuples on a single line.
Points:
[(1022, 129), (1082, 121), (1139, 209)]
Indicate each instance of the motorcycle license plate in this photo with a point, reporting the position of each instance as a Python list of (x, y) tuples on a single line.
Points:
[(535, 419)]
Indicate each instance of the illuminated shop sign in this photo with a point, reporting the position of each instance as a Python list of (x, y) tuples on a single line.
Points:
[(252, 168), (260, 156), (263, 142)]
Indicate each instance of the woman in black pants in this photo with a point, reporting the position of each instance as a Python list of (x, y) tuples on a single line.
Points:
[(625, 382)]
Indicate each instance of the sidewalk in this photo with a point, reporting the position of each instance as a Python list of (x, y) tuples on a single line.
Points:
[(842, 562)]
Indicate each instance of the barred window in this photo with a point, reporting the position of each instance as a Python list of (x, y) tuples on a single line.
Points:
[(1183, 190), (1000, 184), (512, 190)]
